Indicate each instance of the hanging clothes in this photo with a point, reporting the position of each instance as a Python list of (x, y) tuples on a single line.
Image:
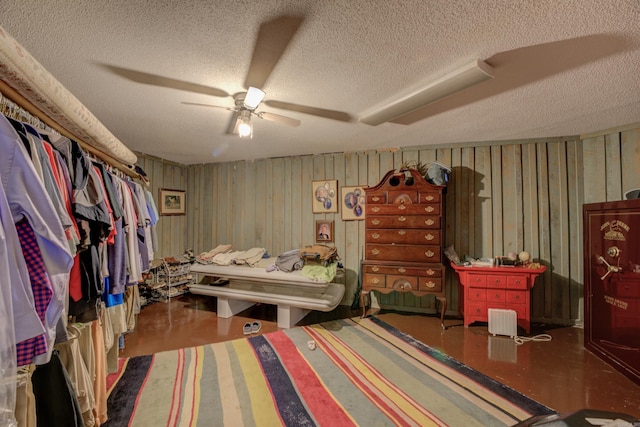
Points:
[(28, 199)]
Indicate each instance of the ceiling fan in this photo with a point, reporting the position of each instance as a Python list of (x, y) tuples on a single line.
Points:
[(245, 107), (273, 38)]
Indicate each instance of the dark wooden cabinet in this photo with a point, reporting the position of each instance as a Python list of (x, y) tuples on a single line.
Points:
[(612, 283), (404, 237)]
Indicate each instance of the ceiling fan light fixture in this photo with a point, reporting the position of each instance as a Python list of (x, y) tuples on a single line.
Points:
[(253, 98), (462, 78), (245, 127)]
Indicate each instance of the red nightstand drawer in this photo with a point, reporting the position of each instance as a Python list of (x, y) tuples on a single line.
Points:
[(517, 282), (477, 295), (496, 295), (477, 281), (516, 297), (496, 281)]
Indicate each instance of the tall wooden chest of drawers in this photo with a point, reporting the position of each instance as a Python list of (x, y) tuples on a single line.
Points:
[(403, 237)]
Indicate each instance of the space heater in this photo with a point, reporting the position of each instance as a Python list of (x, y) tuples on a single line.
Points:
[(503, 322)]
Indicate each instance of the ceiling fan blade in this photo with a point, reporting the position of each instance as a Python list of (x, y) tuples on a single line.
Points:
[(208, 105), (273, 38), (320, 112), (155, 80), (287, 121)]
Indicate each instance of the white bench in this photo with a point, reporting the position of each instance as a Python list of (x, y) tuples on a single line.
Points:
[(294, 294)]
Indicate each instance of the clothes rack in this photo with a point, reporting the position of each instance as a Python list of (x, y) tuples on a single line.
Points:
[(30, 110)]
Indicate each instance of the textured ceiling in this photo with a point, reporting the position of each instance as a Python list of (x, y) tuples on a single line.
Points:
[(561, 68)]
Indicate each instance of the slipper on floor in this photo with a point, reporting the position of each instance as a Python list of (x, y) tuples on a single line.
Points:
[(247, 328), (255, 327)]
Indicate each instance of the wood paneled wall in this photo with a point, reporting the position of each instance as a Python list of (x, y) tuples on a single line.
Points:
[(502, 197)]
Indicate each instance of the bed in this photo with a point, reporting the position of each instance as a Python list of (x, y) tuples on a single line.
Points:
[(239, 287)]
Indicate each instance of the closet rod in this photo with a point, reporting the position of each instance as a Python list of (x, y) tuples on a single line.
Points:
[(21, 101)]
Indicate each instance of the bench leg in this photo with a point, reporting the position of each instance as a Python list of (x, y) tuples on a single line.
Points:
[(229, 307), (288, 316)]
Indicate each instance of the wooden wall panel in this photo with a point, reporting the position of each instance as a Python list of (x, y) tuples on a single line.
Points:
[(502, 197)]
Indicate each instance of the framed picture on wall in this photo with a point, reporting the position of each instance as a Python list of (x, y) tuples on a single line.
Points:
[(353, 200), (324, 230), (325, 196), (172, 202)]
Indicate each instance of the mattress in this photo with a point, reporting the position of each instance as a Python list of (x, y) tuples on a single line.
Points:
[(260, 275)]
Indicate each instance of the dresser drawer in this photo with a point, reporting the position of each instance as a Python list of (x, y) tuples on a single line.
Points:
[(517, 297), (495, 281), (402, 221), (407, 253), (373, 280), (435, 271), (517, 282), (376, 199), (477, 281), (430, 284), (402, 283), (411, 236), (477, 294), (429, 197), (476, 310), (402, 197), (404, 209), (496, 295)]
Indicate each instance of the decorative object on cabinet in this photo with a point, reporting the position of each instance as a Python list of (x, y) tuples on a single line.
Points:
[(404, 234), (353, 201), (324, 230), (324, 196), (172, 202), (612, 284), (482, 288)]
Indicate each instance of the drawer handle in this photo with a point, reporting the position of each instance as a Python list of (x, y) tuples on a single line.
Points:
[(402, 219), (429, 236), (430, 272), (498, 281), (375, 252), (497, 296), (402, 232), (375, 281), (375, 235), (429, 254), (430, 284), (375, 222), (402, 270), (375, 209), (429, 209), (517, 297), (517, 281), (375, 199), (402, 207), (429, 198), (375, 268), (429, 221)]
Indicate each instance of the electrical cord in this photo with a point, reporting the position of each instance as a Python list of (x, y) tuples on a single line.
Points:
[(541, 337)]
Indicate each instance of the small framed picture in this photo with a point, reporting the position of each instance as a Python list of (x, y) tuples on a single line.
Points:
[(324, 230), (325, 196), (352, 199), (172, 202)]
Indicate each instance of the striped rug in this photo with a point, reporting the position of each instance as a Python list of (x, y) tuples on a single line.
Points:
[(361, 372)]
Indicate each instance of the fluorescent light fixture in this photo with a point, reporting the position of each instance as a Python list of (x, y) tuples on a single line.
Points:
[(462, 78), (253, 98), (245, 127)]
